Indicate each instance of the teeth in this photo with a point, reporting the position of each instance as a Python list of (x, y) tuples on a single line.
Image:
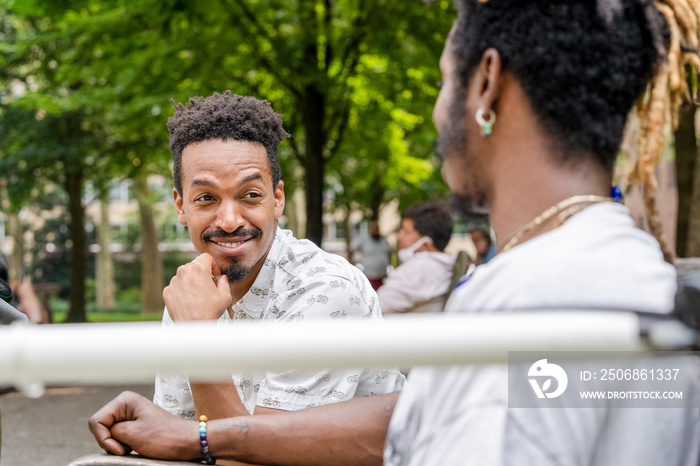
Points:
[(232, 245)]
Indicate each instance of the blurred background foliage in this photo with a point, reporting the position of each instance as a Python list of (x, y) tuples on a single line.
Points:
[(85, 88)]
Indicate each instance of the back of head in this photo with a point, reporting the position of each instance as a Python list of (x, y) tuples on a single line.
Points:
[(227, 117), (582, 64), (431, 219)]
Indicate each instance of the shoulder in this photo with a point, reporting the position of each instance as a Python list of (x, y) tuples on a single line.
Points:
[(309, 270), (598, 258)]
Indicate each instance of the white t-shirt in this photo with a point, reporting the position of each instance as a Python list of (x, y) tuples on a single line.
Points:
[(459, 415), (376, 256), (298, 282), (418, 285)]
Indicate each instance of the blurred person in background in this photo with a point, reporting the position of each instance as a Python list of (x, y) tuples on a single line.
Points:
[(375, 255), (21, 296), (485, 247), (421, 281)]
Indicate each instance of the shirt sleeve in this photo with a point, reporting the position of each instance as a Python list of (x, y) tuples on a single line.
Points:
[(330, 298), (172, 391)]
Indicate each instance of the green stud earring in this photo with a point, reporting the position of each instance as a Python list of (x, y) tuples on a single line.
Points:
[(486, 126)]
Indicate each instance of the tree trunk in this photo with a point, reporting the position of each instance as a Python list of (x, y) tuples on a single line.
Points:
[(74, 187), (151, 257), (686, 155), (290, 211), (693, 249), (14, 229), (16, 265), (314, 162), (313, 110), (347, 228), (378, 191), (104, 269)]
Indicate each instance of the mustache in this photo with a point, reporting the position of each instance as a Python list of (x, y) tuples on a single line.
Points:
[(253, 233)]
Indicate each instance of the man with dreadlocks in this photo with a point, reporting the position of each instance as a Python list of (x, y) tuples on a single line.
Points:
[(530, 116)]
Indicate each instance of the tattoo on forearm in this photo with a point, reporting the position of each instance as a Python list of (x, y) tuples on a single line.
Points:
[(242, 427)]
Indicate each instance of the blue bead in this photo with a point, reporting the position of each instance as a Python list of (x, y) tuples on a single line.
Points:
[(203, 430), (202, 436), (616, 194)]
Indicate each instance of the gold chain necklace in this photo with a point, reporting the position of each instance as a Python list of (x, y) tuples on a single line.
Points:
[(566, 209)]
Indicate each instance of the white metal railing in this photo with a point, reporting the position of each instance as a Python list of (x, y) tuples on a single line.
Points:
[(32, 356)]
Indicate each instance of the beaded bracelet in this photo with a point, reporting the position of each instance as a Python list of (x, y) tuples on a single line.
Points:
[(207, 459)]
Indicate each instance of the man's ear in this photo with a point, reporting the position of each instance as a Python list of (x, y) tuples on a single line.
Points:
[(179, 207), (279, 199), (488, 79)]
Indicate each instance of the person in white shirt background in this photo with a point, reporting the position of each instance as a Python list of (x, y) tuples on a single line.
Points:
[(375, 255), (420, 283)]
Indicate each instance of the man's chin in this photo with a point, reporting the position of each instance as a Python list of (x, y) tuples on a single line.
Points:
[(236, 273), (468, 207), (233, 267)]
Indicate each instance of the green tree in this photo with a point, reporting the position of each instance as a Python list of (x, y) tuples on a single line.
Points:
[(336, 69), (50, 149), (302, 55)]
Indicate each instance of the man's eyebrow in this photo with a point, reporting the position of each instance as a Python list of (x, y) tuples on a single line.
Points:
[(203, 182), (253, 177)]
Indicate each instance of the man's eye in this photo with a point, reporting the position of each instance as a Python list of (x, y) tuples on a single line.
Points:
[(205, 198), (253, 195)]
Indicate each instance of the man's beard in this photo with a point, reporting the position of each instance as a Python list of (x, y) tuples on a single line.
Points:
[(470, 209), (453, 143), (236, 272)]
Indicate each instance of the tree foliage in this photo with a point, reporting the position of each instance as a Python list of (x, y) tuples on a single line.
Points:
[(354, 79)]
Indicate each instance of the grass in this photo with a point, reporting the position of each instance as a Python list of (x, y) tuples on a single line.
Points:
[(112, 316), (124, 311)]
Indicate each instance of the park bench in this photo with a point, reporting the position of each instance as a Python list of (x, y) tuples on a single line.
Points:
[(105, 459)]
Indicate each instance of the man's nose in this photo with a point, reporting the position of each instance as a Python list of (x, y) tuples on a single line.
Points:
[(229, 217)]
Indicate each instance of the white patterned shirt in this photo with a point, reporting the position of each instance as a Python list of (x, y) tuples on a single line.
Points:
[(298, 281)]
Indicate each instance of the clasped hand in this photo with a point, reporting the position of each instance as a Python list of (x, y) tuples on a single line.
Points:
[(193, 294)]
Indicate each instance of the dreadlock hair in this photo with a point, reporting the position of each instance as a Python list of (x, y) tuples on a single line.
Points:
[(659, 106), (584, 63), (225, 116), (431, 219)]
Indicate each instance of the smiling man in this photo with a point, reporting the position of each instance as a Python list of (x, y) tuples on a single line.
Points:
[(229, 194)]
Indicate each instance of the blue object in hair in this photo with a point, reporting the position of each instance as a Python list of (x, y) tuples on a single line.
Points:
[(616, 194)]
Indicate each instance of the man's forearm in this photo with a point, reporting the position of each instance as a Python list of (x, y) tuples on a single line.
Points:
[(217, 400), (347, 433)]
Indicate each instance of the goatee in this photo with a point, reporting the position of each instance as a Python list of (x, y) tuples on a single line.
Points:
[(236, 273)]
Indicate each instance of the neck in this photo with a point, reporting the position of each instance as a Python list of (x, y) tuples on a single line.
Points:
[(525, 169), (239, 289), (428, 247), (521, 193)]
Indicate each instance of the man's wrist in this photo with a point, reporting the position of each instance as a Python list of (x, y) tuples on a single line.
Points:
[(227, 437)]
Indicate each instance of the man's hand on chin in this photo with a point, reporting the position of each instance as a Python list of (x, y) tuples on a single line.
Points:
[(193, 294)]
